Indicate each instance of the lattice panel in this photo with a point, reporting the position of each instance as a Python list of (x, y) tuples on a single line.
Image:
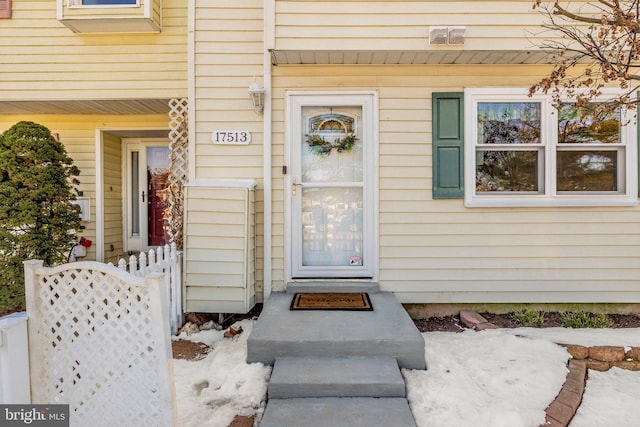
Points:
[(178, 166), (99, 349)]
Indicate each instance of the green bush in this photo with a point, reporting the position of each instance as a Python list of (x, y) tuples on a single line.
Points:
[(585, 320), (528, 317), (37, 217)]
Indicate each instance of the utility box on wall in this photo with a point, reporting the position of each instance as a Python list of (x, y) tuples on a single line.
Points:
[(219, 246)]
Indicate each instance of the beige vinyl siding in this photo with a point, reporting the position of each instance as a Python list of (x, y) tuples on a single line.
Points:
[(44, 60), (228, 46), (403, 25), (78, 134), (112, 188), (439, 250), (219, 249)]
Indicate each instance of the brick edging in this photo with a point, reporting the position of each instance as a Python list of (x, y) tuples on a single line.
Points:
[(604, 357), (601, 358), (562, 410)]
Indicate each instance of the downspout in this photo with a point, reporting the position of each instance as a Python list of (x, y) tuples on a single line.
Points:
[(269, 43), (99, 197), (191, 92)]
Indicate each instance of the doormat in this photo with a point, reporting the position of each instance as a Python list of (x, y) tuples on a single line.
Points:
[(332, 301)]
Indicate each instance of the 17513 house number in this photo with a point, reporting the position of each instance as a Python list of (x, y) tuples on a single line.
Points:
[(231, 137)]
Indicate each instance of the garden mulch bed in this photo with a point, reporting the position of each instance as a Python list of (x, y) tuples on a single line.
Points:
[(551, 320)]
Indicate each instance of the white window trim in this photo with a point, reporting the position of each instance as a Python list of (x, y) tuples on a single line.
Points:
[(549, 136)]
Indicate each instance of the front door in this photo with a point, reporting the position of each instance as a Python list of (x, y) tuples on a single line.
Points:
[(332, 151)]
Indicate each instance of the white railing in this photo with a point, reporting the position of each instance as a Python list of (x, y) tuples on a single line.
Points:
[(14, 360), (166, 260), (99, 341)]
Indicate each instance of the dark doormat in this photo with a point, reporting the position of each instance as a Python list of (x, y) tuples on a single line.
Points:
[(332, 301)]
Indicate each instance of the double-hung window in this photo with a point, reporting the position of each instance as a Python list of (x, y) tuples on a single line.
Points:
[(523, 151)]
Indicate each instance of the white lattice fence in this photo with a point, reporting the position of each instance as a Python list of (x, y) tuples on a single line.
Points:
[(166, 260), (178, 167), (99, 341)]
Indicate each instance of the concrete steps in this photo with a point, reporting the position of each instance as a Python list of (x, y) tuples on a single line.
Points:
[(338, 412), (386, 331), (336, 368), (375, 376)]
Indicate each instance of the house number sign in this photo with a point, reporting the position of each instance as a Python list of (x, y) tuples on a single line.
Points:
[(231, 137)]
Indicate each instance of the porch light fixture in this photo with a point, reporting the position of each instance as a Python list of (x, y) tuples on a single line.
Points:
[(256, 92)]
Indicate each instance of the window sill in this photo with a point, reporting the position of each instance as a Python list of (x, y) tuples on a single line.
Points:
[(543, 201), (145, 17)]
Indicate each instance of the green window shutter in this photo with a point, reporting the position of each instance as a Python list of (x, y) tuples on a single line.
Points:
[(448, 145)]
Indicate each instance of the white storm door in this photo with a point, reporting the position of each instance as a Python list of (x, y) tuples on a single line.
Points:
[(146, 166), (331, 186)]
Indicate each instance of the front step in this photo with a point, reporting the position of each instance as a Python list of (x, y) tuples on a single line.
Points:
[(338, 412), (332, 286), (376, 376), (386, 331)]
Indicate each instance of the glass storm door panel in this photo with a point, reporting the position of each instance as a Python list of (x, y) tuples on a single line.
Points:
[(329, 191), (157, 184), (147, 166)]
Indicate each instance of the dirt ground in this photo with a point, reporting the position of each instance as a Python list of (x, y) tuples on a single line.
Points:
[(184, 349), (551, 320)]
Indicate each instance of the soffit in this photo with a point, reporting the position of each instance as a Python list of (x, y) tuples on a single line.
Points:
[(93, 107), (410, 57)]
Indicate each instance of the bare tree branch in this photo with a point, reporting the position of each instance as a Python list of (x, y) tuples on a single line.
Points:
[(596, 45)]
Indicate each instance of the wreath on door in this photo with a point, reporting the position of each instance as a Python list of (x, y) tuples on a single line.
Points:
[(322, 147)]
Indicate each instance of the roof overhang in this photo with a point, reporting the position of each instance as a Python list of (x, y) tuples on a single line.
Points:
[(92, 107), (410, 57)]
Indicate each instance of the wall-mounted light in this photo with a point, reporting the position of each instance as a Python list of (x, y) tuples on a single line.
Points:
[(256, 92)]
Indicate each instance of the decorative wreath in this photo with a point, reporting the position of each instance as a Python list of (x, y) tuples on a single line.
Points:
[(322, 147)]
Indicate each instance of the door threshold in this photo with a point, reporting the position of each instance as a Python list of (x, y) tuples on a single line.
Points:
[(332, 286)]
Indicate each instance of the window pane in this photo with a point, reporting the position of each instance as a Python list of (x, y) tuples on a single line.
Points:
[(587, 170), (588, 125), (106, 2), (509, 122), (332, 145), (507, 171), (332, 226)]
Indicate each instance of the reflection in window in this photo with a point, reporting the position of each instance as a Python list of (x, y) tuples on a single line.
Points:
[(501, 164), (588, 125), (508, 123), (587, 170), (507, 171)]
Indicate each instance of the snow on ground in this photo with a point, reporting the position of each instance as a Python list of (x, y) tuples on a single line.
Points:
[(488, 379), (494, 378), (611, 399), (211, 391)]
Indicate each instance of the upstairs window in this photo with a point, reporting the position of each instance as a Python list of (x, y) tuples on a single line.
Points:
[(522, 151), (111, 16)]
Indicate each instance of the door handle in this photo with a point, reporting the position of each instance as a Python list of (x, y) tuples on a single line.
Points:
[(143, 196), (294, 185)]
